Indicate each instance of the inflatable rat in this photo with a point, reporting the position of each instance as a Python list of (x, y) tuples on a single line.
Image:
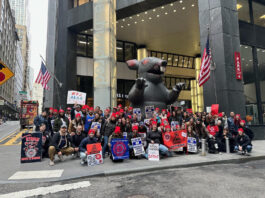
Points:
[(149, 88)]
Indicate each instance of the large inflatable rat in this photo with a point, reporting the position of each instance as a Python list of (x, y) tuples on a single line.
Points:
[(149, 88)]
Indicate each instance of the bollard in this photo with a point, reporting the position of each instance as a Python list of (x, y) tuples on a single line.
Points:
[(227, 145), (203, 147)]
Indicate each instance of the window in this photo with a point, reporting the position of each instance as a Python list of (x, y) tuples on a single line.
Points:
[(243, 10), (119, 51), (169, 59), (129, 51), (258, 14), (90, 46), (81, 45), (77, 3), (261, 67)]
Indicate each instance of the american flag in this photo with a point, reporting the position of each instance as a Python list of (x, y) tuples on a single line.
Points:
[(206, 64), (43, 76)]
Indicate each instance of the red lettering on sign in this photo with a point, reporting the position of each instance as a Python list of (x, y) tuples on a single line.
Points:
[(238, 66)]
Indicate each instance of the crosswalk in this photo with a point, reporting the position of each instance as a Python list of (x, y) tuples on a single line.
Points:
[(13, 138)]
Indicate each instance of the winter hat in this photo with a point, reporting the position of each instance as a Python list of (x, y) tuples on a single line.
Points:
[(78, 115), (157, 109), (163, 110), (121, 111), (61, 111), (50, 108), (120, 106), (91, 131), (91, 109), (129, 116), (240, 130), (69, 109), (135, 127), (117, 130), (243, 121), (154, 123), (113, 115), (220, 115), (130, 108), (55, 111), (167, 126)]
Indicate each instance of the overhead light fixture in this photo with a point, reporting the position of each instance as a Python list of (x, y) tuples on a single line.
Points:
[(250, 60), (238, 6), (180, 1), (192, 5), (145, 12), (130, 17), (119, 48), (171, 4), (246, 47), (122, 26), (263, 51), (165, 13), (175, 10), (91, 30), (150, 18), (157, 15), (162, 7), (135, 22), (142, 20), (183, 8), (128, 24), (262, 16), (117, 22), (82, 42), (123, 19), (138, 15), (154, 10)]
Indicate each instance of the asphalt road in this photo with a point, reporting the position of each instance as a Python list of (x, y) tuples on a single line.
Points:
[(227, 180), (8, 128)]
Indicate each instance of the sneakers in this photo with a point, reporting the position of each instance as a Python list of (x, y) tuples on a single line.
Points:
[(61, 158), (82, 162), (51, 163)]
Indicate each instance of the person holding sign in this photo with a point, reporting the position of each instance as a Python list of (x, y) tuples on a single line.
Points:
[(155, 137), (60, 120), (83, 145), (77, 139), (133, 134), (60, 145)]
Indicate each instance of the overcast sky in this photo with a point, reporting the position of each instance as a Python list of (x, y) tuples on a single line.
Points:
[(38, 10)]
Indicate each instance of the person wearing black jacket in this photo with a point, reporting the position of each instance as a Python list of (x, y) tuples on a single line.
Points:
[(60, 120), (131, 135), (107, 129), (45, 139), (221, 140), (91, 139), (155, 137), (60, 145), (242, 142), (76, 139), (38, 120), (247, 130)]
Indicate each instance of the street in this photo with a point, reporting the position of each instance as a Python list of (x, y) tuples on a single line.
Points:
[(225, 180)]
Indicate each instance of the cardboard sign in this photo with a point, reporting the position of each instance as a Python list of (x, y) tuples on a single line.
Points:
[(137, 111), (143, 137), (153, 152), (94, 154), (175, 139), (215, 109), (149, 112), (192, 145), (96, 124), (119, 149), (76, 97), (138, 148), (238, 66), (31, 147)]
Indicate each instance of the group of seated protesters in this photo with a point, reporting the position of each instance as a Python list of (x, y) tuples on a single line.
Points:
[(68, 133)]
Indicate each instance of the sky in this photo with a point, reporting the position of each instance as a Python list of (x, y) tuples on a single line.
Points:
[(38, 12)]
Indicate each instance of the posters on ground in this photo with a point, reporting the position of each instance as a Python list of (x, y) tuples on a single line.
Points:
[(94, 154), (31, 147), (175, 139), (119, 149), (138, 148), (153, 152), (76, 97)]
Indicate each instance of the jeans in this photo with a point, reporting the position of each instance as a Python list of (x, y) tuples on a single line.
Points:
[(248, 148), (162, 149), (83, 156), (106, 138)]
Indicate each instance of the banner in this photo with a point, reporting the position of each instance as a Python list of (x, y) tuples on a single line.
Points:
[(96, 124), (76, 97), (175, 139), (137, 111), (31, 147), (119, 149), (149, 111), (192, 145), (215, 109), (153, 152), (94, 154), (238, 66), (143, 137), (138, 148)]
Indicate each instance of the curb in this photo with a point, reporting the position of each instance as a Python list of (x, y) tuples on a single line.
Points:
[(140, 170)]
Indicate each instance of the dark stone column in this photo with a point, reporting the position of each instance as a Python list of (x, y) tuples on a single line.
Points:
[(221, 17)]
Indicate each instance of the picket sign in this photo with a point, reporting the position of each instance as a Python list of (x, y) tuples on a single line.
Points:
[(120, 149), (149, 111), (96, 124), (76, 97), (153, 152), (192, 145), (137, 111), (138, 148), (31, 147), (94, 154), (143, 137), (124, 135)]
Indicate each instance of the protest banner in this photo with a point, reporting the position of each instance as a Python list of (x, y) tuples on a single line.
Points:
[(96, 124), (214, 109), (175, 139), (143, 137), (119, 149), (153, 152), (138, 148), (94, 154), (76, 97), (137, 111), (149, 111), (31, 147), (192, 145)]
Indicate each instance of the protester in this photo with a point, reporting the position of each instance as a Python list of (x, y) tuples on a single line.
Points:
[(242, 142), (38, 120), (117, 134), (221, 140), (89, 118), (45, 140), (60, 120), (247, 130), (68, 113), (131, 135), (74, 123), (60, 145), (75, 110), (76, 139)]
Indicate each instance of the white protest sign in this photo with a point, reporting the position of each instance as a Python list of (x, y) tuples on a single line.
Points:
[(153, 152), (137, 146), (124, 135), (149, 111), (137, 111), (208, 109), (96, 124), (94, 159), (143, 137), (192, 145), (76, 97)]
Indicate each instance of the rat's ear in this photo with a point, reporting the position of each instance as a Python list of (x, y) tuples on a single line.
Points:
[(133, 64)]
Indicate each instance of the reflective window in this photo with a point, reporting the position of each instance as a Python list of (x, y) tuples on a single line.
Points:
[(90, 46), (77, 3), (175, 61), (119, 51), (164, 56), (258, 14), (129, 51), (243, 10), (81, 45), (170, 82), (261, 66), (169, 59), (180, 61)]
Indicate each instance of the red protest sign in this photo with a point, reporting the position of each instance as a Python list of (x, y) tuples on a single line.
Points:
[(93, 148), (175, 139), (238, 66), (215, 109)]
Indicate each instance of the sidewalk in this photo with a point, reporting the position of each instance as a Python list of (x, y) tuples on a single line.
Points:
[(71, 168)]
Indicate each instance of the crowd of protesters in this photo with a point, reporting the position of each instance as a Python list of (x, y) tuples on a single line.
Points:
[(68, 132)]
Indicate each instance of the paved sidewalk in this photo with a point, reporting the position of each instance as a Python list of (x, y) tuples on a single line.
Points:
[(71, 168)]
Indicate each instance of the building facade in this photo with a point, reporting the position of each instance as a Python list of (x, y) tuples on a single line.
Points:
[(173, 30), (18, 80), (8, 46), (38, 95)]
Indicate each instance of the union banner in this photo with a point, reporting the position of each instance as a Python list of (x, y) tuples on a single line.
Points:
[(175, 139)]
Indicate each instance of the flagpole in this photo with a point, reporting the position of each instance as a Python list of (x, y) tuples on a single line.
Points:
[(59, 83)]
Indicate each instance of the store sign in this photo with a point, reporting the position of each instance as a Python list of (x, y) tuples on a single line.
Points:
[(238, 66)]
